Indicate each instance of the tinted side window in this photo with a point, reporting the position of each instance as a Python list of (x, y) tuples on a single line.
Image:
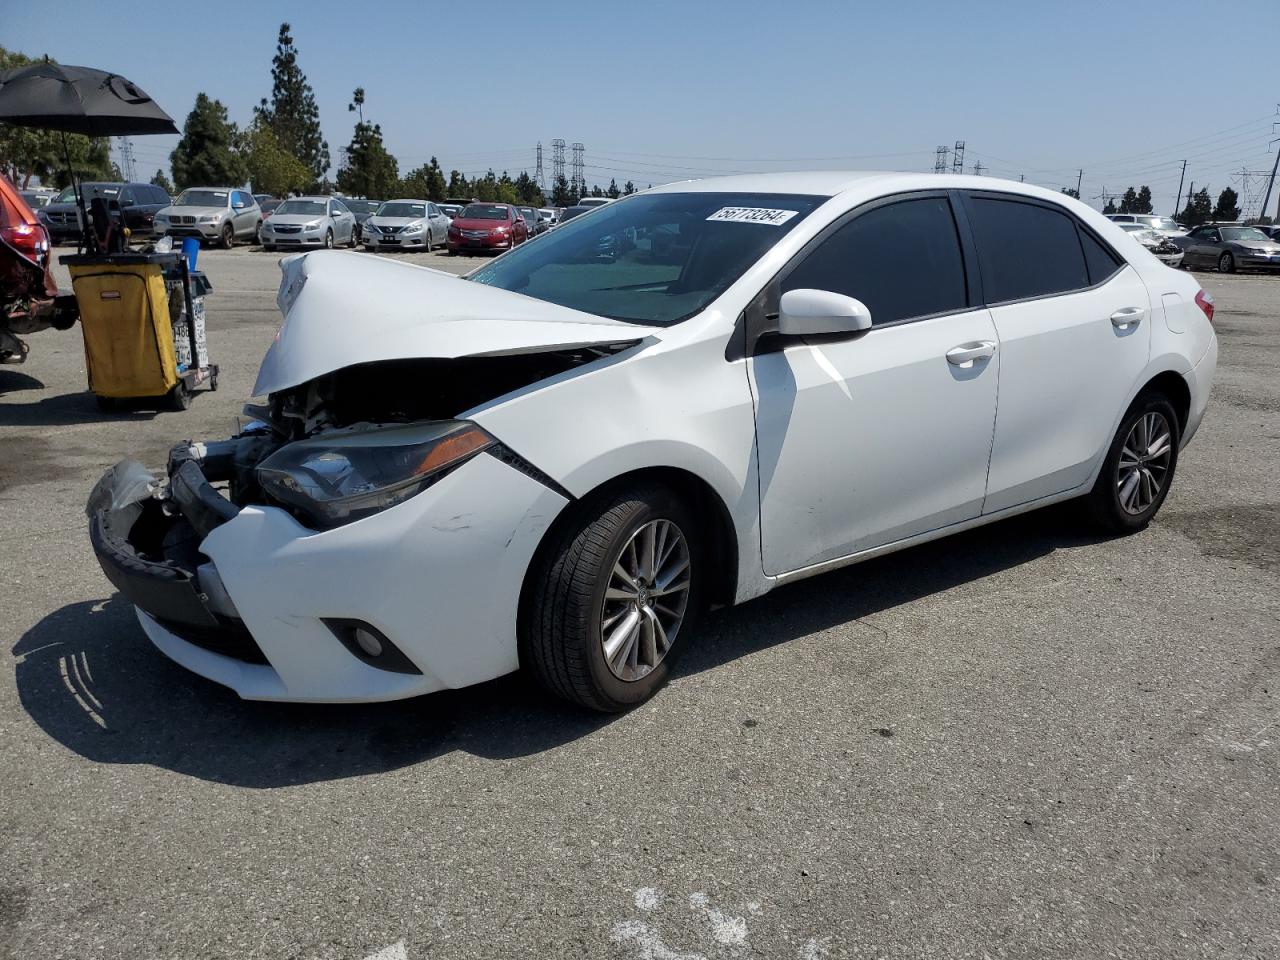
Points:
[(902, 260), (1098, 257), (1025, 250), (159, 196)]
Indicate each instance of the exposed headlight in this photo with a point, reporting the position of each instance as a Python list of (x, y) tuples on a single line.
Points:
[(499, 229), (342, 478), (313, 225), (414, 227)]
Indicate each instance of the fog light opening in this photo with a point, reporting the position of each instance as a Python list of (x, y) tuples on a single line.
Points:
[(370, 645)]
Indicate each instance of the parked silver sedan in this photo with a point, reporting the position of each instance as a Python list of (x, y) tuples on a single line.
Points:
[(309, 222), (405, 225), (1229, 248)]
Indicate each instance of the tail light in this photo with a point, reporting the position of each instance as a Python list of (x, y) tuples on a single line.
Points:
[(1205, 302), (27, 237)]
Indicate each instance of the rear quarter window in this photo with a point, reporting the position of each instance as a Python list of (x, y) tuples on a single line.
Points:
[(1026, 250)]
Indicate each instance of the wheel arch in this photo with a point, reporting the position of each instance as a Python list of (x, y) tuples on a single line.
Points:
[(717, 525), (1174, 386)]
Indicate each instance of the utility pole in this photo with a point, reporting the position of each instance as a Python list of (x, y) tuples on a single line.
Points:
[(957, 157), (1271, 182), (1079, 180), (1179, 194)]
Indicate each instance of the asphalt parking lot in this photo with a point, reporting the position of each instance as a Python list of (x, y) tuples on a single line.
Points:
[(1019, 742)]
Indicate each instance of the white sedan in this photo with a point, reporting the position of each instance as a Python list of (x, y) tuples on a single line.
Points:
[(683, 399)]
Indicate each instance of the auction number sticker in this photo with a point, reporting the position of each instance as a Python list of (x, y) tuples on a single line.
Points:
[(772, 218)]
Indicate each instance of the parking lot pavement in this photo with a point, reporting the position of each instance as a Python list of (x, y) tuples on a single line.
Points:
[(1020, 742)]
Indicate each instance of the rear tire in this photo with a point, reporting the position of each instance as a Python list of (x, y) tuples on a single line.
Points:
[(1139, 467), (612, 599)]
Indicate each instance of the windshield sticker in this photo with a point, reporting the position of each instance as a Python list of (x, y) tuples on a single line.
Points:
[(773, 218)]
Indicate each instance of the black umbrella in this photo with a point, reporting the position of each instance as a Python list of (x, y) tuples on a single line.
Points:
[(79, 100)]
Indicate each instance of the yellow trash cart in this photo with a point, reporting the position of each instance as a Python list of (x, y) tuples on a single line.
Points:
[(142, 316)]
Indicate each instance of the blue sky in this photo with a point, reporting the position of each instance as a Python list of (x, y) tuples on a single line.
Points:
[(670, 90)]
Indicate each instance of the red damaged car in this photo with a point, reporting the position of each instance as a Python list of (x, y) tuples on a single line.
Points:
[(29, 299), (487, 227)]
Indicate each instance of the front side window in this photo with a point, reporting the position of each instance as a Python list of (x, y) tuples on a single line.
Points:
[(902, 260), (1026, 250), (652, 258)]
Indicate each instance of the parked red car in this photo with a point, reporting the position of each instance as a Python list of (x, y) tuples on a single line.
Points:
[(485, 227), (29, 299)]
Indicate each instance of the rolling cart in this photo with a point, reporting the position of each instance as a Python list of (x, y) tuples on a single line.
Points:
[(142, 315)]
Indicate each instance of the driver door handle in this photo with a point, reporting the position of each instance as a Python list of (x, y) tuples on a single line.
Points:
[(966, 352), (1127, 316)]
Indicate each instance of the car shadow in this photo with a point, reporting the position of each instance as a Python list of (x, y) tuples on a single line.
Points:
[(69, 409), (90, 679)]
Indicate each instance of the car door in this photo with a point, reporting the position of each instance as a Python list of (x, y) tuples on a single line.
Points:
[(239, 214), (875, 437), (439, 223), (1200, 247), (344, 221), (1074, 324)]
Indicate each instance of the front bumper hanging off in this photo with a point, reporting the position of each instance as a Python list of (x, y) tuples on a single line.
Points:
[(250, 598)]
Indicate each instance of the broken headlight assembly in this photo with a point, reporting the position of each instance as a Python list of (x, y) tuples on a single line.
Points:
[(342, 477)]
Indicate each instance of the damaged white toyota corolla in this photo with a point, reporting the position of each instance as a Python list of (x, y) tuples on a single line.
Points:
[(678, 400)]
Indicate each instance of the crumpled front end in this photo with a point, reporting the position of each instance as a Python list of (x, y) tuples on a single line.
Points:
[(413, 599)]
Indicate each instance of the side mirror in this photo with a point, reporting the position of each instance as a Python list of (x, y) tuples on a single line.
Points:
[(804, 312), (238, 205)]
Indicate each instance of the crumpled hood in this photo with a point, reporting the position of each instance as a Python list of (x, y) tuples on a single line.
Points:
[(341, 309)]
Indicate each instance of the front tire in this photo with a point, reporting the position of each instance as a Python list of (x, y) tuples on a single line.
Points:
[(1139, 467), (328, 239), (227, 238), (612, 599), (1227, 263)]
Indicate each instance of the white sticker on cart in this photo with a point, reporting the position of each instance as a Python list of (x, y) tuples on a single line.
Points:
[(773, 218)]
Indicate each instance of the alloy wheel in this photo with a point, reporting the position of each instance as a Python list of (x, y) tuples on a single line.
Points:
[(1226, 263), (645, 600), (1144, 461)]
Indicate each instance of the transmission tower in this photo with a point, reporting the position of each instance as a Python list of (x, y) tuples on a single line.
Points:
[(538, 176), (957, 157), (580, 182), (557, 161), (940, 159), (978, 167), (126, 159)]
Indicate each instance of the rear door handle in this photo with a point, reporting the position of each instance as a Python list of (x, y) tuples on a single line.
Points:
[(966, 352), (1127, 316)]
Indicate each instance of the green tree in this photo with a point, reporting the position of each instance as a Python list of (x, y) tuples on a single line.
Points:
[(507, 189), (1198, 210), (1110, 207), (1143, 204), (528, 192), (596, 191), (270, 168), (204, 156), (292, 112), (561, 195), (1129, 201), (367, 169), (426, 182), (1228, 207), (628, 188), (613, 190), (459, 187), (1071, 192), (161, 181)]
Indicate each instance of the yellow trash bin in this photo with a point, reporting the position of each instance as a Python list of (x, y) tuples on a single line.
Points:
[(128, 304)]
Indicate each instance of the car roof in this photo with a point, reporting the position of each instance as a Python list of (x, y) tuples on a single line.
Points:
[(831, 183), (406, 200)]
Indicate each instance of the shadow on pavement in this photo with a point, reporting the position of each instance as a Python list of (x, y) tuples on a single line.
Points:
[(88, 676), (12, 381), (66, 410)]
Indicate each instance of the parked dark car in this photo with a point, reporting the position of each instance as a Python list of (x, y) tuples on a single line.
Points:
[(534, 219), (487, 227), (568, 213), (1229, 248), (139, 203), (363, 210)]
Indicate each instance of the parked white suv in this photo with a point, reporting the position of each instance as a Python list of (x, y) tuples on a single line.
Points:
[(220, 215)]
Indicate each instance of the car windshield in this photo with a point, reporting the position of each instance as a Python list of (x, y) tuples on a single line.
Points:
[(1243, 233), (484, 211), (653, 259), (1132, 227), (89, 190), (529, 214), (311, 208), (397, 209), (368, 206), (202, 198), (1161, 223)]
